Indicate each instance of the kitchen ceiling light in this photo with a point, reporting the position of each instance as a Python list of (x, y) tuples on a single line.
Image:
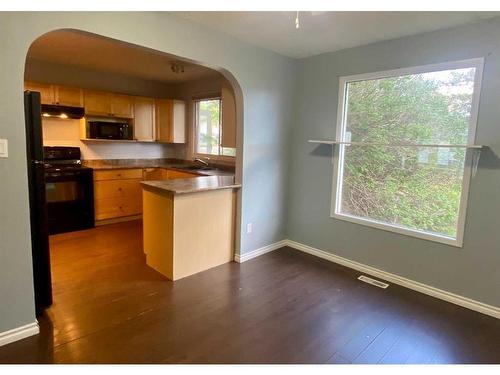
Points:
[(177, 68)]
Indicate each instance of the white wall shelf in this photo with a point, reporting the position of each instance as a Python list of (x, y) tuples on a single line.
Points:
[(332, 142)]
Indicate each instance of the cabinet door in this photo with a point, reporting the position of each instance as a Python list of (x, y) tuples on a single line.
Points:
[(163, 110), (110, 208), (152, 174), (178, 126), (144, 119), (117, 188), (69, 96), (228, 138), (122, 105), (97, 103), (46, 91)]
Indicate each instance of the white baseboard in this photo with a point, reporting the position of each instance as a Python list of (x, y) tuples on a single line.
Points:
[(407, 283), (456, 299), (261, 251), (19, 333)]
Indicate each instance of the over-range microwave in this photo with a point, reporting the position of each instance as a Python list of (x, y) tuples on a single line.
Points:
[(109, 130)]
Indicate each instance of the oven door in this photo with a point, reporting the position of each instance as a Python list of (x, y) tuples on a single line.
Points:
[(70, 200)]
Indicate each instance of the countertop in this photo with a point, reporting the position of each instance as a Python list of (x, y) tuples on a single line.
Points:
[(192, 185), (156, 163)]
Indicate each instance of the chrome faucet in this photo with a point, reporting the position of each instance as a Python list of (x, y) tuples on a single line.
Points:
[(205, 163)]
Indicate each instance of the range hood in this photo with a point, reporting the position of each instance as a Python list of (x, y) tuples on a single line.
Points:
[(61, 111)]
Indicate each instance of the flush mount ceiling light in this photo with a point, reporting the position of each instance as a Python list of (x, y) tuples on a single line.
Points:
[(177, 68), (297, 17)]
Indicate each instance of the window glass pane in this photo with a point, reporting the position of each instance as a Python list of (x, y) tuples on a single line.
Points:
[(412, 187), (228, 151), (400, 186), (208, 126), (419, 108)]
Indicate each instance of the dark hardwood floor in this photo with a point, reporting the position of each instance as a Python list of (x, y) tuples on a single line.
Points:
[(283, 307)]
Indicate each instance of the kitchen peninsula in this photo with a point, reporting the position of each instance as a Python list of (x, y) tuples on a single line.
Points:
[(188, 224)]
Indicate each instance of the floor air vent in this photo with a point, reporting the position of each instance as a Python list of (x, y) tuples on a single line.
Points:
[(369, 280)]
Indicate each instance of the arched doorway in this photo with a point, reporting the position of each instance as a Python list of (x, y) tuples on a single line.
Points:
[(66, 60)]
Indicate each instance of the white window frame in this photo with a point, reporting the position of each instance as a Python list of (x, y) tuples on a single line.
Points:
[(217, 158), (339, 151)]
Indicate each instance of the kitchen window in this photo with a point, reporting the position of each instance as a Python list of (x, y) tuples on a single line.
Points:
[(209, 130), (385, 179)]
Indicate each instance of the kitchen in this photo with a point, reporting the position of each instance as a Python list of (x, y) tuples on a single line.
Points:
[(127, 130)]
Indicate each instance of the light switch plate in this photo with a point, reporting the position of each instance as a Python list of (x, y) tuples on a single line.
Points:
[(4, 148)]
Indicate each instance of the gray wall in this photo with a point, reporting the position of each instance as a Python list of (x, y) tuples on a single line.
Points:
[(472, 271), (266, 82), (49, 72)]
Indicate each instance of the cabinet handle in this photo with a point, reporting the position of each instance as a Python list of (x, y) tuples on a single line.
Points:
[(119, 189)]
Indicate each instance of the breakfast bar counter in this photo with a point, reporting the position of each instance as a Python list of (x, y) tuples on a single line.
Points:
[(189, 224)]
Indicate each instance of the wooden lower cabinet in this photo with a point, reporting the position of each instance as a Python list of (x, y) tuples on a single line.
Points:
[(117, 188), (118, 174), (110, 208), (118, 192)]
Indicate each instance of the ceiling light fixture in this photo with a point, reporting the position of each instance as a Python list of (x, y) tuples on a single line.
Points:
[(297, 23), (177, 68)]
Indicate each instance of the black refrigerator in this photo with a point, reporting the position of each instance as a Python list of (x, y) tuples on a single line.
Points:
[(38, 207)]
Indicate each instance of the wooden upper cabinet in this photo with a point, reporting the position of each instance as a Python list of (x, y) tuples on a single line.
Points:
[(170, 120), (228, 138), (68, 96), (178, 126), (97, 103), (163, 111), (122, 106), (46, 91), (100, 103), (144, 119), (57, 95)]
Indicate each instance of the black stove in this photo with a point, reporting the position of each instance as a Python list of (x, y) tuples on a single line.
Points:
[(59, 158), (69, 190)]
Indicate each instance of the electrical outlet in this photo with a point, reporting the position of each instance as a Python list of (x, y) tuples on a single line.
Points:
[(249, 228), (4, 148)]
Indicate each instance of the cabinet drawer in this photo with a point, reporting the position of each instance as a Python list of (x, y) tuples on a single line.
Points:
[(108, 208), (117, 174), (117, 188)]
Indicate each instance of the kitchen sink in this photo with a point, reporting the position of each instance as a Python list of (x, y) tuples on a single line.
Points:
[(195, 168)]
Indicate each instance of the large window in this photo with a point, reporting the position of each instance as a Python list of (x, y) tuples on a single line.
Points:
[(385, 178), (209, 130)]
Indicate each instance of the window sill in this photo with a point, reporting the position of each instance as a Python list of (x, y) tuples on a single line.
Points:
[(456, 242), (218, 159)]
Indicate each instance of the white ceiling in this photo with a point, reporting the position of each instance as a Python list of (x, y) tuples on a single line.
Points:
[(322, 32), (98, 53)]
